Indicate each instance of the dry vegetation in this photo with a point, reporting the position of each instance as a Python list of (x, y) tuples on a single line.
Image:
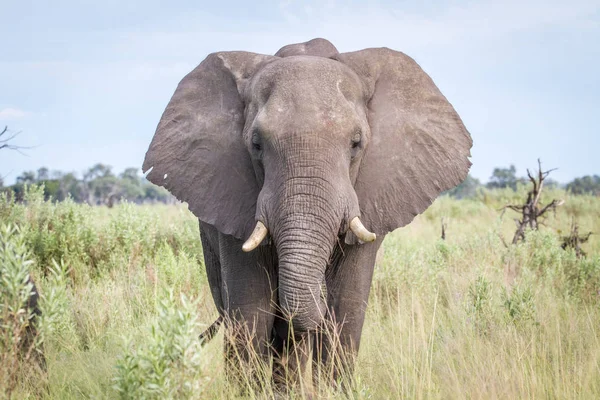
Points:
[(124, 296)]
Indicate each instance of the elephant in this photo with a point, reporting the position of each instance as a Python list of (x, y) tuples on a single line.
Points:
[(297, 165)]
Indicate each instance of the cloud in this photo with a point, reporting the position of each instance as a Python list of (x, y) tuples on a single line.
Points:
[(10, 113)]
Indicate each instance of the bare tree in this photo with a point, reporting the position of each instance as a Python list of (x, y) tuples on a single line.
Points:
[(574, 240), (532, 211), (6, 137)]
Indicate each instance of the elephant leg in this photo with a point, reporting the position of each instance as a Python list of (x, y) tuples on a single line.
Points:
[(292, 355), (210, 247), (248, 297), (348, 283)]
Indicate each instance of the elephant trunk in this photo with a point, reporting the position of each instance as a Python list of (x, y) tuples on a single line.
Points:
[(301, 276), (305, 238)]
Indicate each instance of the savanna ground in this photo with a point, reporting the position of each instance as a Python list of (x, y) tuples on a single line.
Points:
[(125, 295)]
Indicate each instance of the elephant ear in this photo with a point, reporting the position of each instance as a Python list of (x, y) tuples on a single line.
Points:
[(198, 153), (418, 147)]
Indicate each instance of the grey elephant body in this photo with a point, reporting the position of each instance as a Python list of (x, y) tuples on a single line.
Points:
[(304, 143), (244, 288)]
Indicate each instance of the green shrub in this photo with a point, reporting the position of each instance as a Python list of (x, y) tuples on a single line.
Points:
[(92, 241), (169, 365), (519, 304), (18, 338)]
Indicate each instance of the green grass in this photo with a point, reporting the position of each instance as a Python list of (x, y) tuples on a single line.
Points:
[(125, 295)]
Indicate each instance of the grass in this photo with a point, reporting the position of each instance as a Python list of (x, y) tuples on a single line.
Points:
[(124, 296)]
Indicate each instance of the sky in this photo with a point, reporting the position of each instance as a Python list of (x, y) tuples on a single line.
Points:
[(87, 81)]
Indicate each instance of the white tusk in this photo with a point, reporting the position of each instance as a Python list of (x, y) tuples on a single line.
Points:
[(257, 236), (360, 231)]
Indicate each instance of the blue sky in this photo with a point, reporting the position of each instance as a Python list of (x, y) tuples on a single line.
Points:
[(86, 81)]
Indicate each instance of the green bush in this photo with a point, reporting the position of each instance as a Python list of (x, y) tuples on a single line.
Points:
[(18, 338), (519, 304), (92, 241), (25, 326), (169, 365)]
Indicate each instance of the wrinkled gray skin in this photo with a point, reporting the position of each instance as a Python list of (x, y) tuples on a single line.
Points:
[(304, 141)]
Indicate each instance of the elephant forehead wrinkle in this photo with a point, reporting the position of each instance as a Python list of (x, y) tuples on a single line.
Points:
[(315, 120), (308, 74), (306, 96)]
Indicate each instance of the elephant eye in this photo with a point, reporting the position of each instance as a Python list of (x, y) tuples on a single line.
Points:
[(356, 143), (256, 141), (356, 140)]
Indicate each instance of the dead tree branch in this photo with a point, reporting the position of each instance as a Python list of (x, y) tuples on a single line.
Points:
[(532, 211), (5, 138), (574, 240)]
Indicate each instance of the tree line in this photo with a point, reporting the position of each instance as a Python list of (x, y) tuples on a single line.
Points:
[(507, 178), (97, 186)]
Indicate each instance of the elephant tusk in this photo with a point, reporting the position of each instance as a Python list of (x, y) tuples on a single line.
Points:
[(360, 231), (257, 236)]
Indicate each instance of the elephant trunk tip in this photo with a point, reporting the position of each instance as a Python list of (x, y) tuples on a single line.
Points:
[(304, 318)]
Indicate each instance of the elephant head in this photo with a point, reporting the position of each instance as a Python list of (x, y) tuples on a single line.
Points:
[(310, 145)]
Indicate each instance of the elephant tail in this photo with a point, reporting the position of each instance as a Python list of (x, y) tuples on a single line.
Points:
[(211, 331)]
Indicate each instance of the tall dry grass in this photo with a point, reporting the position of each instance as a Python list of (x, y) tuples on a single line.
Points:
[(125, 295)]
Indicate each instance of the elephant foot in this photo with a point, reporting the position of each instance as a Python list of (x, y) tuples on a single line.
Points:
[(290, 365)]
